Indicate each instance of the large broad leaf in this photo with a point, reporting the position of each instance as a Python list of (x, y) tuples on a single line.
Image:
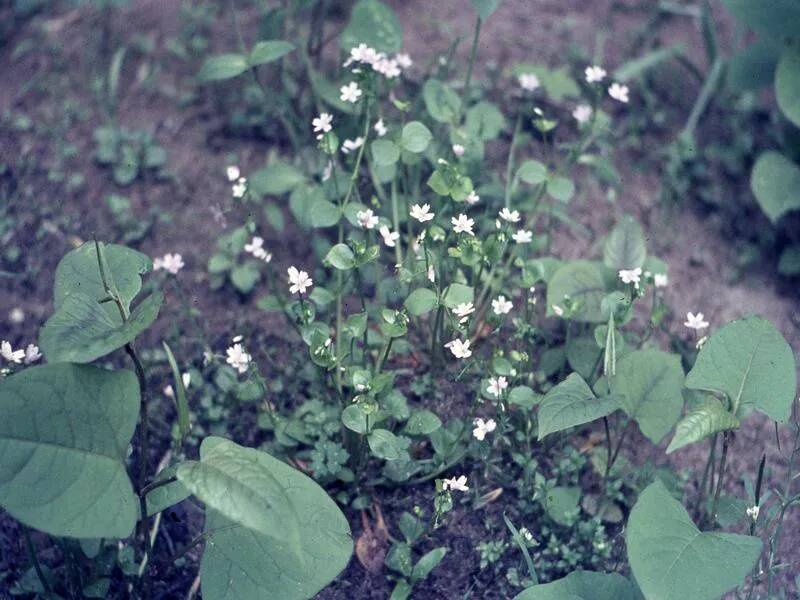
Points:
[(673, 560), (81, 331), (375, 24), (625, 246), (702, 422), (485, 8), (753, 67), (571, 403), (750, 362), (441, 102), (242, 564), (584, 585), (582, 282), (648, 385), (64, 436), (775, 182), (79, 271), (776, 18), (787, 83)]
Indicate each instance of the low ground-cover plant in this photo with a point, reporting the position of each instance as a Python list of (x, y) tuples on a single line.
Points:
[(445, 349)]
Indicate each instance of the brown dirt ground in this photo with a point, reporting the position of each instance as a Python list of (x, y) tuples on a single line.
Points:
[(698, 254)]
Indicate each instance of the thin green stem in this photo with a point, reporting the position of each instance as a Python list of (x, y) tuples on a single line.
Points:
[(34, 558), (472, 53)]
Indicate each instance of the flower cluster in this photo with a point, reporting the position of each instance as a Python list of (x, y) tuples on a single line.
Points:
[(171, 263), (29, 355), (239, 183), (256, 248)]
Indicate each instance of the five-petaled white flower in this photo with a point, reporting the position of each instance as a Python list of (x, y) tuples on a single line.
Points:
[(380, 128), (697, 321), (462, 224), (172, 263), (11, 355), (349, 145), (633, 276), (496, 386), (233, 173), (389, 236), (463, 311), (512, 216), (322, 123), (239, 189), (595, 74), (367, 219), (458, 150), (523, 237), (528, 81), (32, 354), (501, 306), (459, 348), (421, 213), (388, 67), (660, 280), (299, 281), (753, 511), (582, 113), (482, 428), (350, 92), (362, 53), (458, 484), (472, 199), (619, 92), (404, 60), (238, 358)]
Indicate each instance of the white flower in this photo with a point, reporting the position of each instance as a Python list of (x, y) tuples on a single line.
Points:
[(459, 348), (256, 248), (32, 354), (239, 189), (472, 199), (523, 237), (753, 511), (172, 263), (186, 378), (582, 113), (496, 386), (463, 311), (619, 92), (501, 306), (528, 81), (16, 315), (421, 213), (458, 150), (633, 276), (238, 358), (431, 274), (526, 533), (350, 92), (404, 60), (322, 123), (389, 236), (462, 224), (695, 321), (512, 216), (299, 281), (380, 128), (482, 428), (233, 173), (367, 219), (595, 74), (9, 354), (349, 145), (459, 484), (388, 67), (660, 280), (558, 310), (362, 53)]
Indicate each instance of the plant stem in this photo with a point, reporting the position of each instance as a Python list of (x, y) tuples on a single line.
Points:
[(26, 533), (472, 53), (720, 478)]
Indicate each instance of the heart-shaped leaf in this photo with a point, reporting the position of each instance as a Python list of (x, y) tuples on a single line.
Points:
[(750, 362), (572, 403), (421, 301), (375, 24), (702, 422), (63, 442), (625, 246), (582, 282), (81, 331), (673, 560), (584, 585), (775, 180), (241, 564)]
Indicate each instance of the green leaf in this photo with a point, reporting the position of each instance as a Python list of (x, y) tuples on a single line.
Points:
[(81, 331), (584, 585), (324, 214), (240, 564), (485, 8), (625, 246), (275, 179), (750, 362), (673, 560), (775, 182), (789, 262), (181, 405), (422, 422), (776, 18), (648, 385), (753, 67), (484, 121), (245, 276), (167, 495), (524, 397), (415, 137), (375, 24), (638, 66), (559, 502), (441, 102), (457, 293), (341, 257), (532, 172), (561, 188), (384, 444), (427, 563), (63, 443), (421, 301), (582, 282), (385, 152), (268, 51), (79, 271), (702, 422), (787, 83), (571, 403), (222, 66)]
